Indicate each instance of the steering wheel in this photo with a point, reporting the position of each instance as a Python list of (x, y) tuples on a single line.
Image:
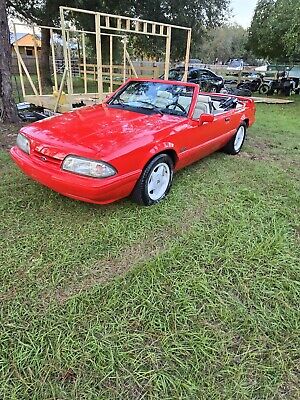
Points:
[(176, 104)]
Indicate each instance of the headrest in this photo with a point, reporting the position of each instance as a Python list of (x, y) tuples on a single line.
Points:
[(204, 99), (164, 94)]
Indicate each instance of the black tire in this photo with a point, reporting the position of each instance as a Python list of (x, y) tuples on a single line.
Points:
[(264, 89), (140, 193), (231, 147)]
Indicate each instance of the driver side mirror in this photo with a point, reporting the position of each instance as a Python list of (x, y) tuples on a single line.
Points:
[(205, 118)]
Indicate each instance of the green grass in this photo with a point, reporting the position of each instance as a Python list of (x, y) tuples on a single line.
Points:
[(196, 298)]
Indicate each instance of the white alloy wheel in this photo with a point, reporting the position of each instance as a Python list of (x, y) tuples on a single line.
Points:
[(158, 181), (239, 138)]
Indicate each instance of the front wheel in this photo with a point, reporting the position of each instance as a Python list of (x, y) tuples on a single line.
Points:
[(155, 181), (235, 144)]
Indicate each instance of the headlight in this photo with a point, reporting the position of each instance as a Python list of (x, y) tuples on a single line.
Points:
[(23, 143), (83, 166)]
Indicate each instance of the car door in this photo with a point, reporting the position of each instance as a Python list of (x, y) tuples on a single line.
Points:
[(197, 141)]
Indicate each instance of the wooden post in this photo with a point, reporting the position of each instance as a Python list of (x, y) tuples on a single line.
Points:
[(187, 56), (240, 76), (60, 89), (99, 55), (84, 62), (111, 86), (53, 59), (168, 50), (63, 31), (16, 48), (69, 61), (131, 65), (37, 63), (124, 59)]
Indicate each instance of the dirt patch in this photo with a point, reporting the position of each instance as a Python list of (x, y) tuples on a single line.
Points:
[(8, 134), (155, 244)]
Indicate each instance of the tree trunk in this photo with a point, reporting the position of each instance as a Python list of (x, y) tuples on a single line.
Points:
[(45, 58), (8, 110)]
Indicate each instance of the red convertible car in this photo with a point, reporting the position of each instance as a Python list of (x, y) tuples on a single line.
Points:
[(133, 142)]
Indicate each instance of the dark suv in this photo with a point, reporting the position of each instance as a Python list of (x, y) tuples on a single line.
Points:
[(208, 80)]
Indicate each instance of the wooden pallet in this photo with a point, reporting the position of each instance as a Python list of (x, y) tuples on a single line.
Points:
[(271, 100)]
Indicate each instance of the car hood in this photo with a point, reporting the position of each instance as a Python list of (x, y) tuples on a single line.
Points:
[(96, 130)]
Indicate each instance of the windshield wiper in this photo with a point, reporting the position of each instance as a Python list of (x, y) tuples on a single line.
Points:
[(153, 106)]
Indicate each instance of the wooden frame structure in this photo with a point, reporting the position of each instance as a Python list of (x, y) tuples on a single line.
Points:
[(115, 27)]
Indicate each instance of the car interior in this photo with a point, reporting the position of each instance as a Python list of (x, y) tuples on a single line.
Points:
[(208, 105), (205, 105)]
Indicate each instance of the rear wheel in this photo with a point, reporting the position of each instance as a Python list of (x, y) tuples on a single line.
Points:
[(155, 181), (235, 144), (264, 89)]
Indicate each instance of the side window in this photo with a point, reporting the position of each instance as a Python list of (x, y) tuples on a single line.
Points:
[(206, 75), (193, 74)]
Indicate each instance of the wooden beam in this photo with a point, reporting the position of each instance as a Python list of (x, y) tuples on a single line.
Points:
[(37, 61), (131, 65), (187, 56), (84, 62), (69, 61), (79, 10), (168, 50), (111, 87), (53, 59), (60, 90), (124, 60), (99, 54), (16, 48), (65, 51)]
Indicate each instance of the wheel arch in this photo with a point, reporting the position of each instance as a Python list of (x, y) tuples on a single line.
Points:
[(246, 121), (166, 149)]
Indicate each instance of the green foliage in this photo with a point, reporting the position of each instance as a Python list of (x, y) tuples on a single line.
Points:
[(275, 30), (41, 12), (225, 42), (197, 14)]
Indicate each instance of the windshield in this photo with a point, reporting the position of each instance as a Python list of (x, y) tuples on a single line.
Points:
[(154, 97)]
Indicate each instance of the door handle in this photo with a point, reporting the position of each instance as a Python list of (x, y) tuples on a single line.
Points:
[(227, 119)]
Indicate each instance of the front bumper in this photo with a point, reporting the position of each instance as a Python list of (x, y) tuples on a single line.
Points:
[(91, 190)]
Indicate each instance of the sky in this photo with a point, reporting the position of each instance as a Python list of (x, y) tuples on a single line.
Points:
[(243, 11)]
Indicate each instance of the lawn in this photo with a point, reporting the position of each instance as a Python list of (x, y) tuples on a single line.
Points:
[(196, 298)]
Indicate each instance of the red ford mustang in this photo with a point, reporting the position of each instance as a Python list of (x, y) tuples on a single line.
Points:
[(133, 142)]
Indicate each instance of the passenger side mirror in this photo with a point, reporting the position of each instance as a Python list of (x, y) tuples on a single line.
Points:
[(206, 118)]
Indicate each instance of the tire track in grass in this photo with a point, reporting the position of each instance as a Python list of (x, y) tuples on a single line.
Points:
[(109, 268)]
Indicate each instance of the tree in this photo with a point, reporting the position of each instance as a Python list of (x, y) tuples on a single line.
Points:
[(9, 112), (275, 30), (196, 14), (225, 42)]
